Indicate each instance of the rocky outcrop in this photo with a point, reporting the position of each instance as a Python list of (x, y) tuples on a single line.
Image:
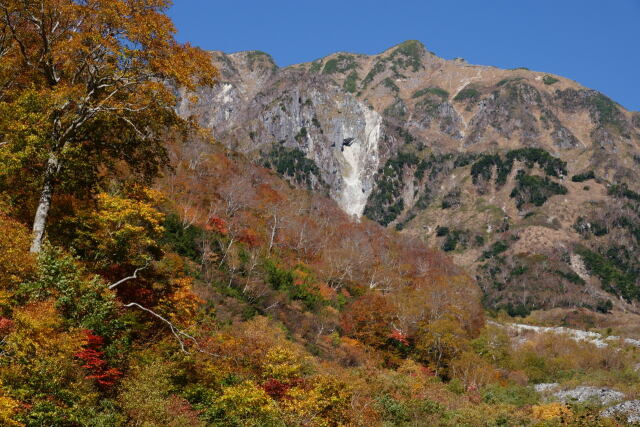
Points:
[(584, 394), (629, 410)]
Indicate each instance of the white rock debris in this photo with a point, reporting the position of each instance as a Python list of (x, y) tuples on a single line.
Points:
[(543, 387), (603, 396), (594, 338), (361, 160), (630, 408)]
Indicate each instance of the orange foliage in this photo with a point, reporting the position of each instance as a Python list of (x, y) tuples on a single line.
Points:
[(369, 319), (16, 263)]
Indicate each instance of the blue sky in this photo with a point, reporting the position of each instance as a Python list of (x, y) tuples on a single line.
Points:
[(596, 43)]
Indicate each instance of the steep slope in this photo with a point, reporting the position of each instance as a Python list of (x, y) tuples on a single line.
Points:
[(513, 171)]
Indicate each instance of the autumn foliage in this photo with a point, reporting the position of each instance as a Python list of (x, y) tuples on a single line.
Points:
[(93, 361), (180, 284)]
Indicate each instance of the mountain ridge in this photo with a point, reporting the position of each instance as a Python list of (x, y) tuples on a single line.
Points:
[(465, 157)]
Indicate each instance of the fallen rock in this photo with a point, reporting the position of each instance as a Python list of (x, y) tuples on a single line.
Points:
[(604, 396), (630, 408)]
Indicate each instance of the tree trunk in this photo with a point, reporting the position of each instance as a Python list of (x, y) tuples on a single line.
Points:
[(40, 220)]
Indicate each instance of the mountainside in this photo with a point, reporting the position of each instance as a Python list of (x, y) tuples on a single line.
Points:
[(529, 180)]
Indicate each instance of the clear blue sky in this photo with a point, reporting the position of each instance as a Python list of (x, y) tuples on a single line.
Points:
[(596, 43)]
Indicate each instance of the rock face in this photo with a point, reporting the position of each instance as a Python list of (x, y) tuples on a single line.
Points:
[(527, 179), (257, 107)]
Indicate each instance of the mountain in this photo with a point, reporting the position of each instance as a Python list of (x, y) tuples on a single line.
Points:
[(527, 179)]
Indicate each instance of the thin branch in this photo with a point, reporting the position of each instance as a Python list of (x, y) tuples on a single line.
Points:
[(174, 329), (126, 279)]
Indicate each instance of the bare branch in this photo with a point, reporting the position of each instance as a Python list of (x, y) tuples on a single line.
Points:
[(126, 279), (174, 329)]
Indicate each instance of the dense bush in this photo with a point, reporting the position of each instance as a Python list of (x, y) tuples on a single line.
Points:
[(534, 189), (292, 163), (431, 91), (483, 167), (465, 94), (582, 177), (612, 276), (495, 249), (385, 203)]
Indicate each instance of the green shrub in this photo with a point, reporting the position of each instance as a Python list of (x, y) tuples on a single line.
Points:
[(385, 203), (465, 94), (495, 249), (408, 54), (451, 199), (604, 306), (509, 394), (509, 80), (301, 135), (378, 68), (393, 410), (582, 177), (316, 66), (341, 64), (548, 80), (294, 164), (431, 91), (534, 189), (350, 82), (571, 277), (622, 191), (442, 231), (390, 84), (182, 240), (612, 275)]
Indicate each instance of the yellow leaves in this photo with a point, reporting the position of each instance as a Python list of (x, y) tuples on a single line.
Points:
[(8, 409), (550, 411), (473, 371), (122, 229), (42, 354), (16, 263), (146, 396), (283, 364), (181, 304), (38, 334), (247, 404), (326, 403)]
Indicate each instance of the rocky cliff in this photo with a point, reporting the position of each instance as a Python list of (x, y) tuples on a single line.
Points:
[(529, 179)]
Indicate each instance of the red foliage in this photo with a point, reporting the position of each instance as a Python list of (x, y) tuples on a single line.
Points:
[(399, 336), (368, 319), (179, 407), (427, 371), (217, 224), (94, 362), (6, 325), (277, 389), (249, 237)]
